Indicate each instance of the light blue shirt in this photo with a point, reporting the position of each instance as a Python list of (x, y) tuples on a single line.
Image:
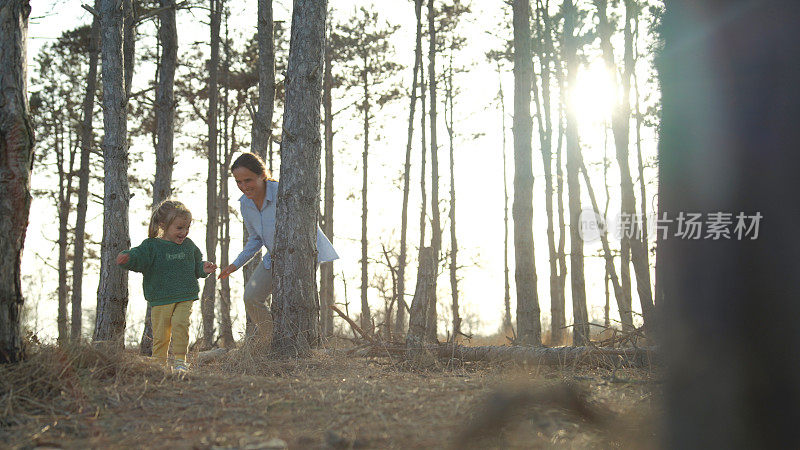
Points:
[(261, 228)]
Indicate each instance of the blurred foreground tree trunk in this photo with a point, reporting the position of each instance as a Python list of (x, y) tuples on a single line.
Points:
[(112, 292), (16, 160), (730, 108), (295, 305)]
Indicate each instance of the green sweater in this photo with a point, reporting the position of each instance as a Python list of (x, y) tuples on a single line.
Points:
[(170, 270)]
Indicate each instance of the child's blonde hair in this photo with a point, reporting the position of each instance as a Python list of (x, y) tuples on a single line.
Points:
[(164, 214)]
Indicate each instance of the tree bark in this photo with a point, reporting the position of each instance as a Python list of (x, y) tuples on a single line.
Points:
[(262, 122), (400, 324), (208, 297), (295, 306), (528, 322), (112, 293), (16, 162), (87, 140), (580, 327), (128, 42), (165, 102), (418, 334)]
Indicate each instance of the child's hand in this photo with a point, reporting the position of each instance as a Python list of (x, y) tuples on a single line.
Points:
[(226, 272), (209, 267), (123, 258)]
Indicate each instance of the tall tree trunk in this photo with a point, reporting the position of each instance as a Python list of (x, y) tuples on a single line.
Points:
[(611, 272), (165, 119), (620, 117), (112, 292), (209, 287), (65, 177), (558, 305), (16, 162), (450, 93), (423, 156), (87, 140), (295, 306), (507, 286), (400, 324), (366, 318), (326, 270), (417, 335), (546, 143), (580, 327), (224, 230), (528, 322), (165, 102), (436, 229), (261, 135), (730, 110), (632, 10), (262, 123)]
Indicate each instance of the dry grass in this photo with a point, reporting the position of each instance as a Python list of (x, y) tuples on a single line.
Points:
[(81, 397)]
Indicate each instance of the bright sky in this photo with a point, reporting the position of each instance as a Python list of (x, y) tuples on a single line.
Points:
[(479, 176)]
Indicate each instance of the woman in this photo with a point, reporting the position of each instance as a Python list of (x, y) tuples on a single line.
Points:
[(258, 212)]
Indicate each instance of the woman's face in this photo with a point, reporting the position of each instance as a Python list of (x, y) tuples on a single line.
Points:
[(250, 183)]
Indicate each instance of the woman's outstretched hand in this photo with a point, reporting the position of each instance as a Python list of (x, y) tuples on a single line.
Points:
[(209, 267), (226, 272)]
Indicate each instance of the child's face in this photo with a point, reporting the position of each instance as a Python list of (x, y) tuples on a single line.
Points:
[(178, 230)]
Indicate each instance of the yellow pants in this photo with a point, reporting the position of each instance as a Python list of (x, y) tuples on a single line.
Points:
[(171, 322)]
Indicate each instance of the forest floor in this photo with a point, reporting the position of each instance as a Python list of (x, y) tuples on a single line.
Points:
[(84, 397)]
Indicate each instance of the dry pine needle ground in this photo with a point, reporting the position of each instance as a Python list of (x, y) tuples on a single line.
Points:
[(80, 397)]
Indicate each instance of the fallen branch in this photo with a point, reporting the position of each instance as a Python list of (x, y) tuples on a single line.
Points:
[(353, 325), (555, 356)]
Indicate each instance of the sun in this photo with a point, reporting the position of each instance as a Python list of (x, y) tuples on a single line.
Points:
[(593, 96)]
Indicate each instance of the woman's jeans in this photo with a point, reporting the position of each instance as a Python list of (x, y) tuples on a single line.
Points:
[(257, 293)]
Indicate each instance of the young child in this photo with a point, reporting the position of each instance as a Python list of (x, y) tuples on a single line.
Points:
[(171, 265)]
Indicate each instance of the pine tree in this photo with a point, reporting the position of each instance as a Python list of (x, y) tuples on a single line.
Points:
[(16, 148), (295, 305)]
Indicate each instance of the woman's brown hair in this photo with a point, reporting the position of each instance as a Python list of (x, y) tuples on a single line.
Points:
[(253, 163)]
